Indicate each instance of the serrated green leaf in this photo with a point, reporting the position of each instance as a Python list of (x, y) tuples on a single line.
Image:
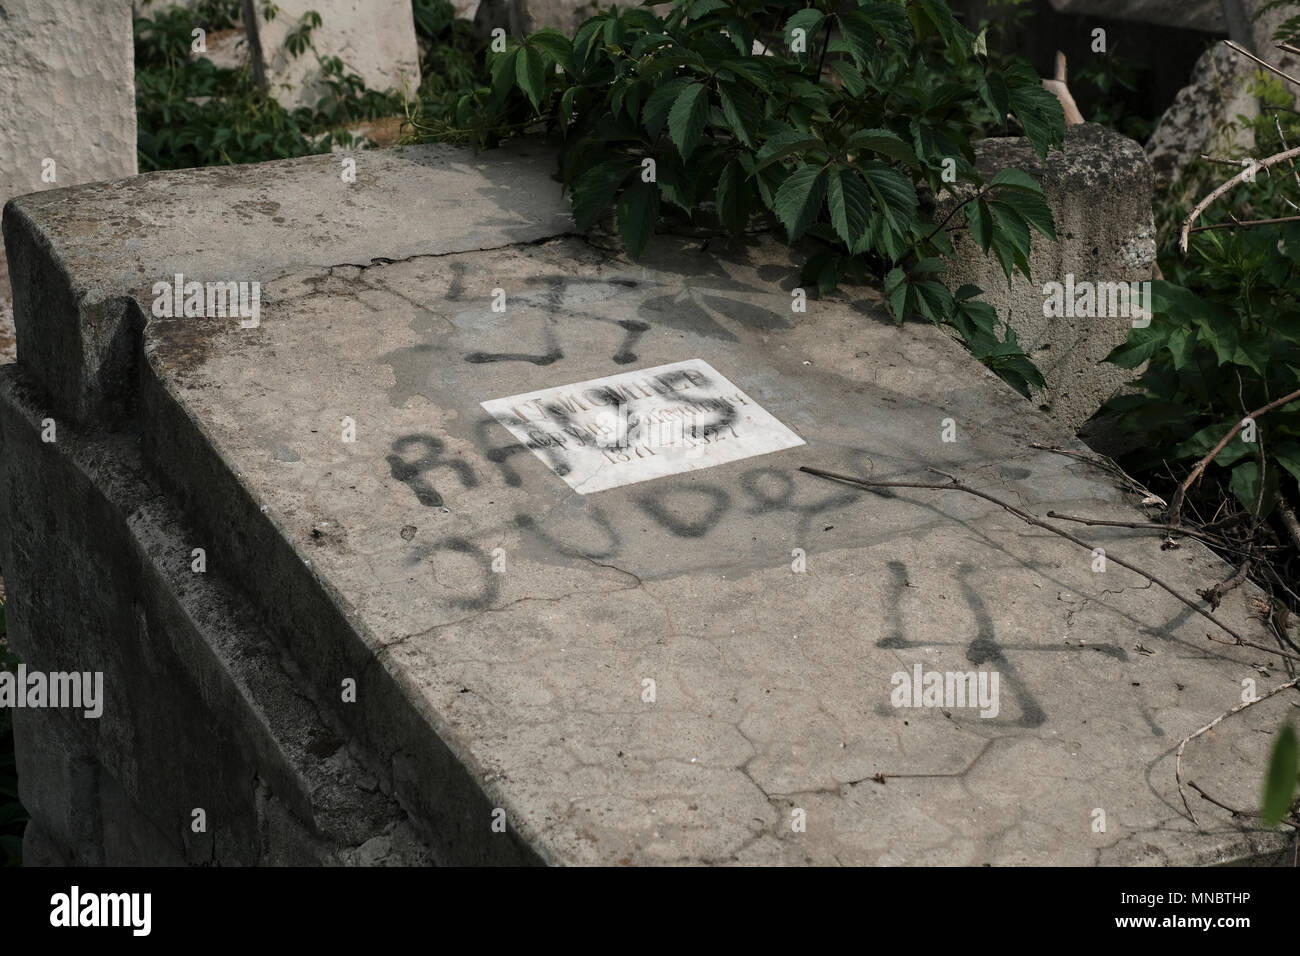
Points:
[(734, 198), (1016, 179), (741, 112), (657, 105), (809, 20), (894, 193), (530, 74), (799, 199), (980, 221), (687, 117), (503, 73), (1032, 209), (855, 83), (594, 190), (888, 21), (785, 144), (638, 211), (849, 202), (555, 45), (1039, 112), (886, 143)]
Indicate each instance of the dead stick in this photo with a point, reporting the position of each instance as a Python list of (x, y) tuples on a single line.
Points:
[(1235, 180), (1142, 526), (1177, 506), (1037, 522), (1178, 757), (1264, 63), (1246, 223), (1191, 785)]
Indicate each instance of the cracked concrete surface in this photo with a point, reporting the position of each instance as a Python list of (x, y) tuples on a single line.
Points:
[(522, 687)]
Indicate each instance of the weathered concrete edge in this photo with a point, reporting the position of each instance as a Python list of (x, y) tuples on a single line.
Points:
[(430, 773), (71, 310), (88, 375), (206, 638)]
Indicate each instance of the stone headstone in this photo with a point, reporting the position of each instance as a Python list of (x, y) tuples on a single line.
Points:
[(1205, 115), (1099, 188), (67, 106), (375, 39)]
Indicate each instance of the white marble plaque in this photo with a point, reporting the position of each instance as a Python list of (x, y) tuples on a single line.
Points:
[(640, 425)]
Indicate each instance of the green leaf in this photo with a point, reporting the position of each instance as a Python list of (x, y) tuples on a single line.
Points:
[(854, 82), (808, 20), (741, 112), (1280, 780), (594, 190), (1287, 454), (1029, 208), (530, 73), (1244, 483), (555, 45), (897, 292), (1037, 109), (993, 90), (675, 183), (981, 224), (849, 202), (734, 197), (655, 112), (1013, 178), (858, 38), (638, 211), (886, 143), (953, 33), (785, 144), (686, 118), (888, 21), (1142, 343), (895, 194), (503, 73), (799, 199)]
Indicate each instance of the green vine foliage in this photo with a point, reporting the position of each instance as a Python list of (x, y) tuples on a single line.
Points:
[(840, 128), (1225, 333), (190, 112)]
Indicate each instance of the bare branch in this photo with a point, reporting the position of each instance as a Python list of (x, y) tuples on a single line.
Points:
[(1235, 180), (1025, 516), (1268, 66), (1178, 757)]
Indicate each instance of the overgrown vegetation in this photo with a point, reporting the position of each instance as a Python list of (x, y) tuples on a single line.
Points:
[(190, 112), (1224, 344), (839, 124)]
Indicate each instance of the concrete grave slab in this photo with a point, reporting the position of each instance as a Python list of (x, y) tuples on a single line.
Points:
[(701, 667)]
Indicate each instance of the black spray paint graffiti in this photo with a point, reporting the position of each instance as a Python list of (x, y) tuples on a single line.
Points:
[(489, 587), (985, 647), (412, 471)]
